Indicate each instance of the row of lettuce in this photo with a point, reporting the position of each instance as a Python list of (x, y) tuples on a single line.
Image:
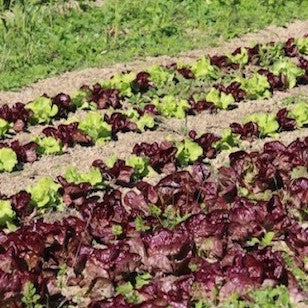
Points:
[(215, 82), (234, 239), (96, 129)]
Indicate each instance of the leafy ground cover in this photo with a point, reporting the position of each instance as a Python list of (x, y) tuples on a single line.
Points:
[(218, 241), (52, 40), (170, 224)]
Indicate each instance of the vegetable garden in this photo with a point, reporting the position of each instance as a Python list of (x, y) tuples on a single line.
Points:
[(165, 226)]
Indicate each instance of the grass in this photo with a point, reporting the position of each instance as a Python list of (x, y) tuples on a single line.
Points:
[(41, 40)]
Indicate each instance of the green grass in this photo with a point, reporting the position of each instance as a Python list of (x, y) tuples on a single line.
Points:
[(37, 41)]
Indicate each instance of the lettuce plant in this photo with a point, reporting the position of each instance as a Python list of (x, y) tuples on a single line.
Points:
[(267, 123), (240, 58), (270, 53), (203, 68), (94, 125), (160, 75), (79, 99), (48, 145), (44, 194), (43, 110), (220, 99), (300, 113), (8, 159), (7, 214), (289, 69), (4, 127), (227, 141), (171, 107), (256, 86), (93, 176), (302, 44), (140, 165), (188, 152), (144, 121), (121, 82)]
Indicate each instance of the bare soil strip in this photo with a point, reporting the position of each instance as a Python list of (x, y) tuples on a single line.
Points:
[(82, 157), (70, 81)]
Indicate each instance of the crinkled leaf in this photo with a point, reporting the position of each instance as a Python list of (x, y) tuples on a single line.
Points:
[(289, 69), (43, 110), (7, 214), (267, 123), (48, 145), (4, 127), (188, 152), (171, 107), (93, 176), (8, 159)]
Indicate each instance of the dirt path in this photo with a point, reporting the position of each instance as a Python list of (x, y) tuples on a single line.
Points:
[(70, 81)]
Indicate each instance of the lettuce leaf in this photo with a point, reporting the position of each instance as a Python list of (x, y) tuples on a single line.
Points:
[(267, 123), (94, 125), (171, 107), (240, 58), (188, 152), (220, 99), (140, 165), (300, 113), (160, 75), (44, 194), (48, 145), (93, 176), (289, 69), (121, 82), (227, 141), (204, 68), (256, 86), (4, 127), (43, 110), (302, 44), (7, 214), (8, 159)]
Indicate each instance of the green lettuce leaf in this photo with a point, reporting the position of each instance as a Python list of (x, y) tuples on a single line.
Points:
[(93, 176), (7, 214), (300, 113), (94, 125), (140, 165), (44, 194), (4, 127), (228, 141), (302, 44), (240, 58), (8, 159), (43, 110), (220, 99), (270, 53), (256, 86), (188, 152), (48, 145), (121, 82), (203, 68), (159, 75), (267, 123), (80, 99), (289, 69), (171, 107), (145, 121)]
